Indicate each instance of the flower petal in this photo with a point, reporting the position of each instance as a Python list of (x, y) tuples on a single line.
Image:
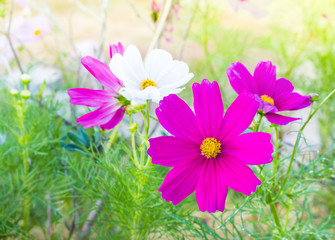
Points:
[(101, 72), (178, 119), (115, 120), (250, 148), (181, 182), (90, 97), (129, 68), (265, 77), (238, 116), (156, 62), (237, 175), (282, 85), (208, 107), (116, 48), (279, 119), (175, 75), (211, 190), (98, 117), (240, 79), (292, 101), (172, 151)]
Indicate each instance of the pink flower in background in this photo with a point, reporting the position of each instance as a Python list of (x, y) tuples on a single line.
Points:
[(155, 7), (255, 7), (273, 95), (111, 106), (25, 30), (208, 151)]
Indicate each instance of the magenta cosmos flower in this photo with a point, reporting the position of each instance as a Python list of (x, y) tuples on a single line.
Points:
[(208, 151), (273, 95), (111, 105)]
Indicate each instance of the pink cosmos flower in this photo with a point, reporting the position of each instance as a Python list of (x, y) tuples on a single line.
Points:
[(208, 151), (111, 105), (273, 95)]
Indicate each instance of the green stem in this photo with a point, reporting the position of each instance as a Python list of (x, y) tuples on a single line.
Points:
[(148, 121), (25, 156), (259, 122), (275, 158), (298, 140), (276, 218), (133, 145)]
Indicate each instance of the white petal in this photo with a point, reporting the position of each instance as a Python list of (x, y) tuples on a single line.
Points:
[(156, 62), (128, 68), (140, 96), (175, 75)]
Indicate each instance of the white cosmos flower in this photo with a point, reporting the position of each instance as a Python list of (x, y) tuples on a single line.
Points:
[(158, 77)]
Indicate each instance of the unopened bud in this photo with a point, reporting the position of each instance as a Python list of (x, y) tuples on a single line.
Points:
[(25, 94), (314, 97), (14, 92), (25, 79), (133, 128)]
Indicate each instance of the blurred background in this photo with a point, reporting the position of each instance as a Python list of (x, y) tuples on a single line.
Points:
[(50, 37)]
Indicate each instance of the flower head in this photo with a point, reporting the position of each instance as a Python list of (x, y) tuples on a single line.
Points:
[(159, 76), (255, 7), (208, 151), (273, 95), (26, 30), (110, 104)]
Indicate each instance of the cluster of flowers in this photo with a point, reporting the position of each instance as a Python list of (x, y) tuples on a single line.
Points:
[(208, 151)]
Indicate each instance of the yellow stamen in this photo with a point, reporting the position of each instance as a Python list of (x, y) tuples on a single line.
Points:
[(268, 99), (148, 82), (37, 32), (210, 147)]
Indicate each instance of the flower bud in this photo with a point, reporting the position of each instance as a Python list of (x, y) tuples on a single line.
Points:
[(25, 94), (25, 79), (314, 97), (14, 92), (133, 128)]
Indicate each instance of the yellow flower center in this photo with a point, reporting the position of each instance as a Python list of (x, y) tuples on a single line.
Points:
[(268, 99), (37, 32), (210, 147), (148, 82)]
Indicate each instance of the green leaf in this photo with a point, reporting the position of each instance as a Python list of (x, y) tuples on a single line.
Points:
[(72, 147), (77, 139), (85, 137)]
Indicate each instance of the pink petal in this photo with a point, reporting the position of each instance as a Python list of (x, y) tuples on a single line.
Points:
[(211, 190), (238, 116), (292, 101), (279, 119), (98, 117), (240, 79), (208, 107), (264, 106), (116, 48), (172, 151), (237, 175), (181, 182), (265, 77), (116, 119), (102, 73), (250, 148), (282, 85), (89, 97), (178, 119)]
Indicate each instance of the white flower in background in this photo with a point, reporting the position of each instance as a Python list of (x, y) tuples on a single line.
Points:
[(158, 77), (255, 7), (31, 29)]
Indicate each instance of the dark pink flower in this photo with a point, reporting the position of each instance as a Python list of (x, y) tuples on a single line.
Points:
[(273, 95), (111, 105), (208, 151)]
